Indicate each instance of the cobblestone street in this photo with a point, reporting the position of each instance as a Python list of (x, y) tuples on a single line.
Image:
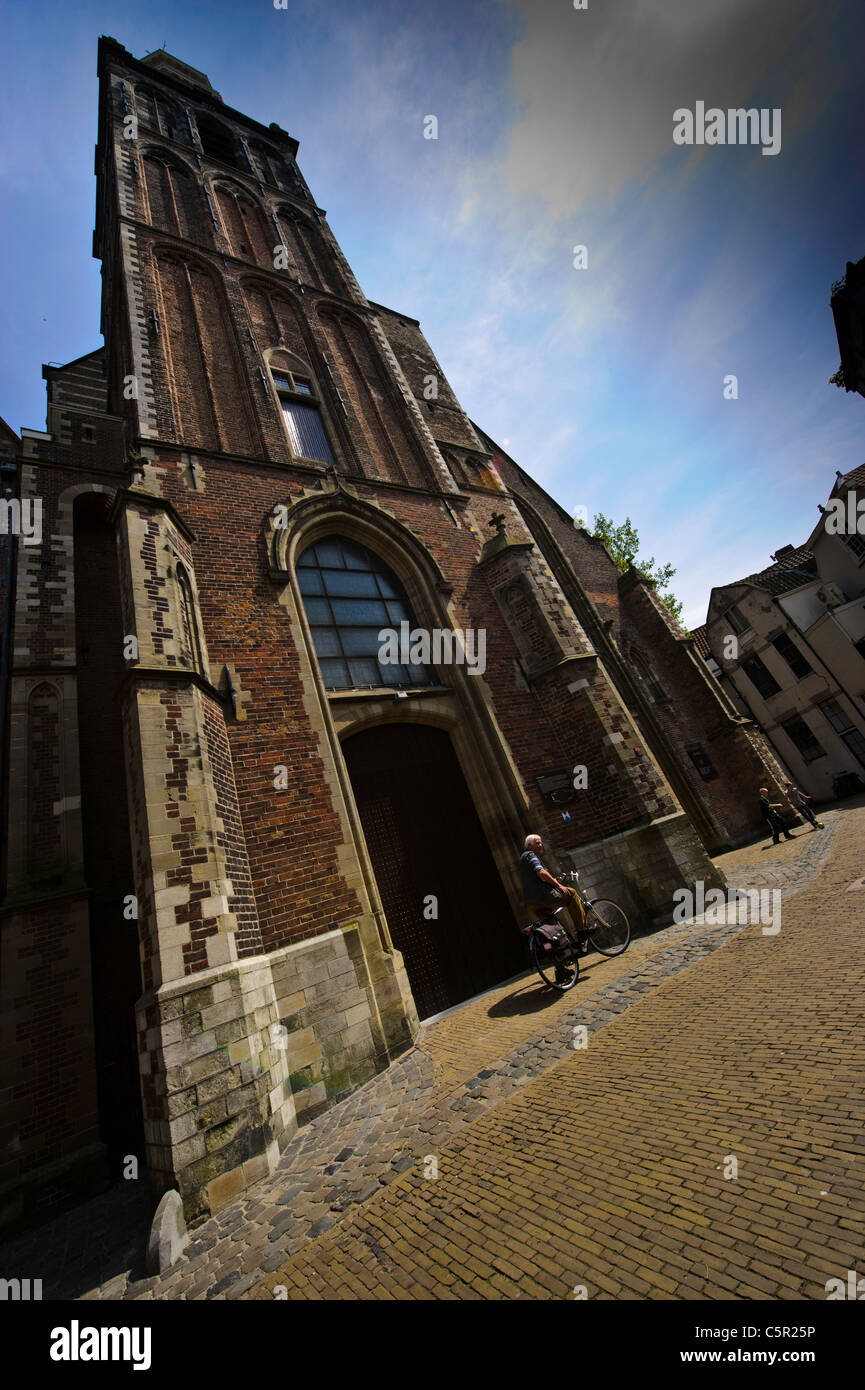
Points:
[(607, 1171), (560, 1166)]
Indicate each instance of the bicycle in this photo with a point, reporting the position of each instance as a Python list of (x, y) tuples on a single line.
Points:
[(605, 926)]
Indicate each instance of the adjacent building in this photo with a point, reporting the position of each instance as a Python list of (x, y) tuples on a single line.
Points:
[(788, 646)]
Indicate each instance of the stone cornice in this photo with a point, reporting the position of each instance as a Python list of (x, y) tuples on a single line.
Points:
[(498, 545), (169, 675), (156, 504)]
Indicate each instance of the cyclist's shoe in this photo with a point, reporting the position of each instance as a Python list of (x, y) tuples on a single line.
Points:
[(562, 976), (820, 825)]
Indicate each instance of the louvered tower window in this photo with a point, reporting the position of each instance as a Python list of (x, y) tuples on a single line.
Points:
[(302, 415)]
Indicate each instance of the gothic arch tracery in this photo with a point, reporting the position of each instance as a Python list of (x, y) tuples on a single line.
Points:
[(391, 453), (202, 359), (174, 198), (244, 223), (306, 247)]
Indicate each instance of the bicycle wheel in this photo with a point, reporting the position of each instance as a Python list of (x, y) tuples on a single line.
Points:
[(558, 969), (608, 927)]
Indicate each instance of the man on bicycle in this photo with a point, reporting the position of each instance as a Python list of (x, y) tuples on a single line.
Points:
[(542, 892)]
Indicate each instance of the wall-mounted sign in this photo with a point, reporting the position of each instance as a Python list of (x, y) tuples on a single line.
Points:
[(557, 789), (702, 763)]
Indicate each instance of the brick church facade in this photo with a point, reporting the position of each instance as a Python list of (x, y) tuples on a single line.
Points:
[(244, 855)]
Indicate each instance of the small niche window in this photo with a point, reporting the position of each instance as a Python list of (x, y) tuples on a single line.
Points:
[(302, 415), (350, 597), (191, 646), (644, 670)]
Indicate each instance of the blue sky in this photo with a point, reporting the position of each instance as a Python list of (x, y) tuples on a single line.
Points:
[(554, 129)]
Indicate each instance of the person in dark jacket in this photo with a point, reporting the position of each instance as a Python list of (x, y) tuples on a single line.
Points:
[(541, 891), (770, 811)]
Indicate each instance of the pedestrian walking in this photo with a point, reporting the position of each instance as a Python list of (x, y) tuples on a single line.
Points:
[(770, 811), (799, 801)]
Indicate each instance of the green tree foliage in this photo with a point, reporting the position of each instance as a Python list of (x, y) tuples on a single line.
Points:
[(623, 543)]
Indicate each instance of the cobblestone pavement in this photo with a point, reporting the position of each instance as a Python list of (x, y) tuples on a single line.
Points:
[(612, 1169), (469, 1065)]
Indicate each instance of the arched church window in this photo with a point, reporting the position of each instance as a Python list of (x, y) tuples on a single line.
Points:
[(356, 606), (191, 644), (647, 675), (219, 142), (266, 165), (301, 411), (146, 106)]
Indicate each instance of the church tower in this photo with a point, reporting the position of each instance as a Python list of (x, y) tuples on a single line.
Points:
[(283, 835)]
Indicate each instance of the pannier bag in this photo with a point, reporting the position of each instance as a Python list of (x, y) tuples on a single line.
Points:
[(552, 936)]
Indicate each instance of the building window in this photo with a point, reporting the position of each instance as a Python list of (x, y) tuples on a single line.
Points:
[(302, 415), (856, 543), (737, 623), (218, 141), (785, 647), (760, 677), (146, 106), (191, 645), (842, 724), (647, 675), (801, 736), (350, 596)]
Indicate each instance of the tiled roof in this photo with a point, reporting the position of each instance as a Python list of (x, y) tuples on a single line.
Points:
[(855, 476), (785, 574), (701, 642)]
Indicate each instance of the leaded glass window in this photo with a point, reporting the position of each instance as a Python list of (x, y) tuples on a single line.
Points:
[(351, 599)]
